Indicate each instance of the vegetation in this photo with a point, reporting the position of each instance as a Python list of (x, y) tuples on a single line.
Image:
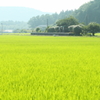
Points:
[(51, 29), (52, 68), (13, 25), (38, 30), (67, 22), (71, 24), (42, 20), (22, 31), (60, 22), (49, 68), (93, 28), (77, 29), (88, 12)]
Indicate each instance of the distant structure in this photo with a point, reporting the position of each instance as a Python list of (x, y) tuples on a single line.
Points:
[(42, 27), (7, 31)]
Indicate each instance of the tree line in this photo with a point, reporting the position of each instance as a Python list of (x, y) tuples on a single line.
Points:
[(42, 20), (12, 25), (88, 12), (72, 25)]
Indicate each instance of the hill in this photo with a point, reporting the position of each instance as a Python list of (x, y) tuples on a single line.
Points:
[(89, 12), (42, 20), (18, 13)]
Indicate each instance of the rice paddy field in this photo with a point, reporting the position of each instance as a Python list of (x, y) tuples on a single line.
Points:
[(49, 68)]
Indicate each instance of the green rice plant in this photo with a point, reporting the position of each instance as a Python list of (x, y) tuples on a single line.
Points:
[(49, 68)]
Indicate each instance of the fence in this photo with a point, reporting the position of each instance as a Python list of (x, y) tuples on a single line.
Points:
[(54, 34)]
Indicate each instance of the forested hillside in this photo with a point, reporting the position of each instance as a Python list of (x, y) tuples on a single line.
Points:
[(42, 20), (89, 12)]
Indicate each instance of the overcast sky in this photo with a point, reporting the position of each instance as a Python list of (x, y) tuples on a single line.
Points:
[(46, 5)]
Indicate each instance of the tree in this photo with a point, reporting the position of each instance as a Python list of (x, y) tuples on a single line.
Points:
[(38, 29), (77, 29), (93, 27), (67, 22), (84, 30), (51, 29), (52, 18)]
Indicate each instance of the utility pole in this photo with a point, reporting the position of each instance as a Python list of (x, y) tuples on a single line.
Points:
[(47, 22), (2, 28)]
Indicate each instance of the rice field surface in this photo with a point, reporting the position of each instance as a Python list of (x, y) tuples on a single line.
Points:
[(49, 68)]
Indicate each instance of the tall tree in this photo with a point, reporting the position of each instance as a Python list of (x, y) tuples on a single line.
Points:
[(93, 27), (67, 22)]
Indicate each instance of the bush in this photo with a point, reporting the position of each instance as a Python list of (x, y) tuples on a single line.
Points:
[(77, 29), (38, 29), (93, 27)]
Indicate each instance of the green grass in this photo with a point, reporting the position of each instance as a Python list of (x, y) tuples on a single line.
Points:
[(49, 68), (97, 34)]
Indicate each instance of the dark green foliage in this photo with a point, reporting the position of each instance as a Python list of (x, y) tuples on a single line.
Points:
[(38, 29), (67, 22), (85, 30), (93, 27), (57, 29), (42, 20), (89, 12), (54, 29), (77, 29), (51, 29)]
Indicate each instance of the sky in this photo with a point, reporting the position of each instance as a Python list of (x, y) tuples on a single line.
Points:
[(46, 5)]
